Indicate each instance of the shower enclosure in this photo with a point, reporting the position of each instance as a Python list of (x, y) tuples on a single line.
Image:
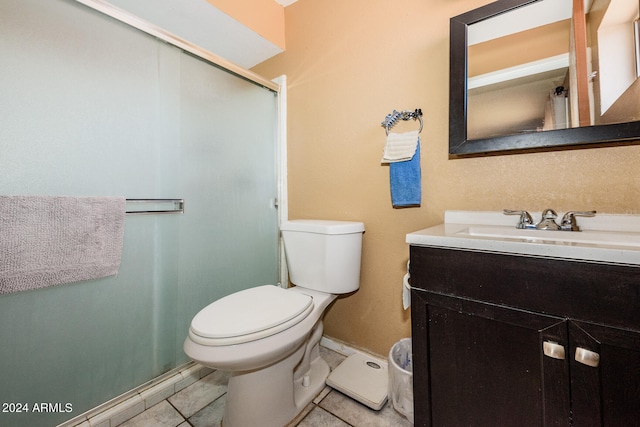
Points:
[(90, 106)]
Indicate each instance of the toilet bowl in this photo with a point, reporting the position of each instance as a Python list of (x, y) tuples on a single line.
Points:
[(267, 337)]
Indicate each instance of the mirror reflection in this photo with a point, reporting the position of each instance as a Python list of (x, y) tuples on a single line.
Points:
[(554, 65)]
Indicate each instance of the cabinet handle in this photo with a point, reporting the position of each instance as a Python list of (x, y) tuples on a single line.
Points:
[(587, 357), (553, 349)]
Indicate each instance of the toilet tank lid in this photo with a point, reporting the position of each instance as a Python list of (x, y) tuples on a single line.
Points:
[(321, 226)]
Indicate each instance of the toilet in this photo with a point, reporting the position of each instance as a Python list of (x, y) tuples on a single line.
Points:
[(267, 337)]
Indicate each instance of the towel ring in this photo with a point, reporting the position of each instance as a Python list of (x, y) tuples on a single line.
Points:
[(392, 119)]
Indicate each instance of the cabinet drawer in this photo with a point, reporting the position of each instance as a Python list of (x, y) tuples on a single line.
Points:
[(599, 293)]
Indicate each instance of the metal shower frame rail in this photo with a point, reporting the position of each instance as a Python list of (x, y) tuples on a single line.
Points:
[(177, 203), (161, 34)]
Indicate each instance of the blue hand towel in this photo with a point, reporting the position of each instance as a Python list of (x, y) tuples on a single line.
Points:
[(405, 180)]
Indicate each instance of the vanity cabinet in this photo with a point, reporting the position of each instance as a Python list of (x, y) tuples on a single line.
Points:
[(496, 338)]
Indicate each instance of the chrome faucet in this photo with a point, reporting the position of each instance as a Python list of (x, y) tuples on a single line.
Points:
[(548, 220)]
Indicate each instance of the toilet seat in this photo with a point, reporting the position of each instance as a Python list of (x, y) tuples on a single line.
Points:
[(249, 315)]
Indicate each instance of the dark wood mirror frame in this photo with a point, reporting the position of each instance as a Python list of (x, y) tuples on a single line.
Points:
[(460, 146)]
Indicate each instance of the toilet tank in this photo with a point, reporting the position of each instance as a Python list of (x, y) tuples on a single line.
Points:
[(323, 255)]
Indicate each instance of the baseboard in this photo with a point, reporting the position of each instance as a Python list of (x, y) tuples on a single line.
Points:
[(134, 402), (346, 350)]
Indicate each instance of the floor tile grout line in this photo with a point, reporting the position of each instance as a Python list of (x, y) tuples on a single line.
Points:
[(317, 406), (179, 412), (223, 395), (329, 411)]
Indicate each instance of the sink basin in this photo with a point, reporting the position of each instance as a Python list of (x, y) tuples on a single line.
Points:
[(592, 237), (609, 238)]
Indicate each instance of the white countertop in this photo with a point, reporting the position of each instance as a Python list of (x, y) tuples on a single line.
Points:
[(608, 238)]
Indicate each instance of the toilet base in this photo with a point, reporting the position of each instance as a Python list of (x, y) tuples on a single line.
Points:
[(304, 395), (271, 397), (273, 378)]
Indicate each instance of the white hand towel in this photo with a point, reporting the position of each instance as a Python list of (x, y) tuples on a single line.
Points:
[(406, 289), (400, 147)]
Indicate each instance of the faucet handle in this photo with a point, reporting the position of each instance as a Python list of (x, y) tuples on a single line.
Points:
[(569, 219), (525, 218)]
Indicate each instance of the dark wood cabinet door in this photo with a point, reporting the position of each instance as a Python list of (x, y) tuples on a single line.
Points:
[(487, 365), (605, 375), (480, 322)]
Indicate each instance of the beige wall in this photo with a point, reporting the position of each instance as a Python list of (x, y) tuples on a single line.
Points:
[(350, 63)]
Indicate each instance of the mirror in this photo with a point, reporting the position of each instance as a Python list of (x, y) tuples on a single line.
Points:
[(533, 75)]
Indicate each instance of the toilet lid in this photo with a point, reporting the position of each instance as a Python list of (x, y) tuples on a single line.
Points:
[(250, 314)]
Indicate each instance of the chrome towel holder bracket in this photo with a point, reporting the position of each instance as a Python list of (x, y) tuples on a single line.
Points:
[(392, 119), (154, 206)]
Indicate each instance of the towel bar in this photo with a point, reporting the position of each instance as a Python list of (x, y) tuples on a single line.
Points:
[(163, 206)]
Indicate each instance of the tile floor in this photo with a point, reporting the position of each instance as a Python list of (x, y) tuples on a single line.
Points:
[(202, 405)]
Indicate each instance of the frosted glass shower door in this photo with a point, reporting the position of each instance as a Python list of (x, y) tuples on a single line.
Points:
[(90, 106), (228, 174)]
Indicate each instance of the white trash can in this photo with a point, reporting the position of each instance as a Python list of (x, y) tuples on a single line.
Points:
[(401, 377)]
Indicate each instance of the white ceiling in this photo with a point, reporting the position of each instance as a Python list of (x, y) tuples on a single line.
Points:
[(197, 22)]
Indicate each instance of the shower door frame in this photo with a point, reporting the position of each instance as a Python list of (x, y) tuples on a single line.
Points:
[(278, 86)]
